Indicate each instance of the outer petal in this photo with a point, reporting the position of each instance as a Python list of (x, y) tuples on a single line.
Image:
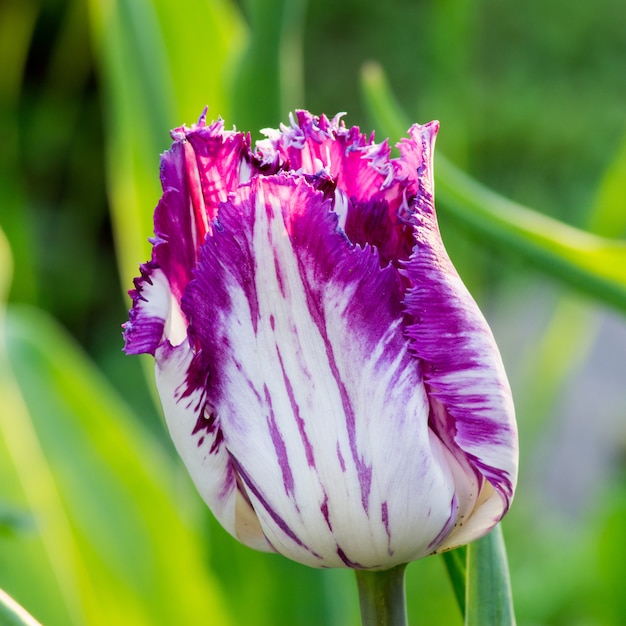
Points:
[(471, 405), (415, 166), (204, 164), (187, 413), (321, 405), (155, 313)]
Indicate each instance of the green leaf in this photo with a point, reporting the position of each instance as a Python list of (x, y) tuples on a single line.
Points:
[(12, 614), (269, 81), (113, 514), (6, 269), (115, 540), (388, 117), (14, 520), (17, 23), (159, 67), (587, 262), (489, 601), (456, 565), (608, 216)]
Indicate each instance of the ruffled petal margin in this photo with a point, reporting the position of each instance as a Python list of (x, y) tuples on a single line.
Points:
[(312, 144), (204, 164)]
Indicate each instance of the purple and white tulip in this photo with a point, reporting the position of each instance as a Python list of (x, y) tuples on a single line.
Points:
[(327, 379)]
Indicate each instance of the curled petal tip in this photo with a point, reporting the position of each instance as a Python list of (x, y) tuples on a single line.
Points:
[(202, 119)]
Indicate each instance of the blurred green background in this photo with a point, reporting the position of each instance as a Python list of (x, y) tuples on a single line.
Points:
[(98, 523)]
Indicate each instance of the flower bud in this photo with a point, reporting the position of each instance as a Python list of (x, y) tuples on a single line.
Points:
[(330, 384)]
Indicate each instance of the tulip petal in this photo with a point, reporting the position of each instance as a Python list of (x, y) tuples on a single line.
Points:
[(207, 458), (371, 188), (155, 313), (312, 144), (471, 404), (376, 223), (204, 164), (320, 402)]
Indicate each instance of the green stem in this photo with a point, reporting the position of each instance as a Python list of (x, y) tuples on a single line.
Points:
[(382, 597)]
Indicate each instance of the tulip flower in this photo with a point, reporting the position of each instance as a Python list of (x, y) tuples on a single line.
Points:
[(328, 381)]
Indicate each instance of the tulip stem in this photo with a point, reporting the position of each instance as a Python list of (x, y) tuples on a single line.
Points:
[(382, 597)]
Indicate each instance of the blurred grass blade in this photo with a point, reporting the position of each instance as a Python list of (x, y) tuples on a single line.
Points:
[(49, 559), (592, 264), (158, 70), (12, 614), (584, 261), (136, 131), (269, 81), (608, 214), (547, 362), (200, 52), (456, 565), (488, 596), (120, 535), (17, 23), (571, 332), (6, 271), (113, 541), (14, 520), (388, 117)]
